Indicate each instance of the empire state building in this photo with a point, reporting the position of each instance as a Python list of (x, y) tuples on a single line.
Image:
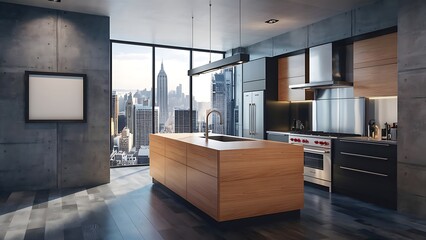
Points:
[(162, 95)]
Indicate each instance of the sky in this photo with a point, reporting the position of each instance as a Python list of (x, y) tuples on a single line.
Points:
[(132, 69)]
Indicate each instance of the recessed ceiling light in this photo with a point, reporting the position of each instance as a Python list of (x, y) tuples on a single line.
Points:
[(54, 0), (271, 21)]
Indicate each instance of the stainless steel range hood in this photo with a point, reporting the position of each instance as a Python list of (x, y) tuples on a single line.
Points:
[(326, 68)]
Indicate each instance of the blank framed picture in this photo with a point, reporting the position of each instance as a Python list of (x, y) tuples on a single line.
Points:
[(55, 97)]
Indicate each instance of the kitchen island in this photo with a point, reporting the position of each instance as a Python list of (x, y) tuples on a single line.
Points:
[(229, 178)]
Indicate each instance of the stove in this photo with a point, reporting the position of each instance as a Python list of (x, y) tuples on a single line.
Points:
[(317, 147)]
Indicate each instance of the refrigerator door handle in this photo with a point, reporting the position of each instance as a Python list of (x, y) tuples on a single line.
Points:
[(254, 118), (249, 119)]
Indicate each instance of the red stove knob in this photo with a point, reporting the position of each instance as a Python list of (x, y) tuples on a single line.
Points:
[(298, 140), (307, 141), (322, 143), (291, 139), (316, 142), (326, 143)]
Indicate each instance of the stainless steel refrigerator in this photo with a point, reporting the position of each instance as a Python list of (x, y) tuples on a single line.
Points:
[(253, 117)]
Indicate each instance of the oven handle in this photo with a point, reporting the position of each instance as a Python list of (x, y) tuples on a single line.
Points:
[(310, 150)]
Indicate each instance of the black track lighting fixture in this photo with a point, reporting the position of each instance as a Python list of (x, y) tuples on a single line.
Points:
[(271, 21)]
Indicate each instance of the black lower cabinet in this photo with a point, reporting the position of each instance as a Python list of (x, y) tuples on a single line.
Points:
[(366, 171)]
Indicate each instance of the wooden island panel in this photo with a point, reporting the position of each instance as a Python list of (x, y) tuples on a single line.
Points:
[(254, 163), (202, 191), (176, 150), (202, 159), (157, 161), (176, 177), (157, 167), (260, 196)]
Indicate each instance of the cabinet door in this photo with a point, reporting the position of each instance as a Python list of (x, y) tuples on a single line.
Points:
[(291, 70), (376, 81), (176, 150), (254, 70), (375, 67), (176, 177), (157, 166), (293, 66), (157, 159), (202, 191)]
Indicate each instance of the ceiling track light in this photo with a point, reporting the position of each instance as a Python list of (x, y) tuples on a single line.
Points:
[(271, 21), (223, 63)]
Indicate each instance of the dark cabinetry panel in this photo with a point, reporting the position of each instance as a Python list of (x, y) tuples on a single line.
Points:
[(365, 170)]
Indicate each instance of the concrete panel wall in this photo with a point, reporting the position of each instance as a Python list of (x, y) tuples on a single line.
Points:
[(260, 50), (369, 18), (330, 30), (51, 155), (412, 107), (379, 15), (291, 41)]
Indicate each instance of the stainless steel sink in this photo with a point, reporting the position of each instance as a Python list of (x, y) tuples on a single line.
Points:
[(228, 138)]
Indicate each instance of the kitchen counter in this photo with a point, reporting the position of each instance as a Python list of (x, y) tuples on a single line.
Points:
[(198, 140), (369, 140), (229, 180)]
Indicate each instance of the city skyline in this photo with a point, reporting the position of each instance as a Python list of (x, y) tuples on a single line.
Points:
[(132, 68)]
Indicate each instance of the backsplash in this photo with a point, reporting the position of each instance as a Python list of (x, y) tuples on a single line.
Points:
[(382, 110)]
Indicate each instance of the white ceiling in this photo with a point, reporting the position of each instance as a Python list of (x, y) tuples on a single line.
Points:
[(168, 22)]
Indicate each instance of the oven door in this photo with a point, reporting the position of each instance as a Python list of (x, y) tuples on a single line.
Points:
[(317, 164)]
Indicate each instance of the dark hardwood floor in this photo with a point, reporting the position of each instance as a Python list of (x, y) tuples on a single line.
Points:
[(131, 207)]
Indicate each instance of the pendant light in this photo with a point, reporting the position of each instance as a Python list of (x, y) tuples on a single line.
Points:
[(223, 63)]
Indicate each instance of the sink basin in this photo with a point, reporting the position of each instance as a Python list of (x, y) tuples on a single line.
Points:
[(227, 138)]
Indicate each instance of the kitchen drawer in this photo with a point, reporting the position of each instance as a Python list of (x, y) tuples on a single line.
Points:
[(278, 137), (366, 150), (372, 188), (373, 164)]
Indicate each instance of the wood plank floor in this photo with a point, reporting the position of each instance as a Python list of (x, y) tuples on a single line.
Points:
[(131, 207)]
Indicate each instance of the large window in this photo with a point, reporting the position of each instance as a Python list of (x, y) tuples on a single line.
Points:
[(151, 93), (132, 117), (172, 89), (214, 90)]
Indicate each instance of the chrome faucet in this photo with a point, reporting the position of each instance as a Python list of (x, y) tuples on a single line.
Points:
[(208, 112)]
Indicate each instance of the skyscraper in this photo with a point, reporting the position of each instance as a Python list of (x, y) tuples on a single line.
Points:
[(114, 112), (143, 124), (129, 113), (182, 121), (162, 95), (222, 98)]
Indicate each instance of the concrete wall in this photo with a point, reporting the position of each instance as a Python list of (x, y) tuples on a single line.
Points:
[(412, 107), (51, 155), (380, 15)]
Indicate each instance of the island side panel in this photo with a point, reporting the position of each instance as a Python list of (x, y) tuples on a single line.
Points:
[(256, 182), (157, 158)]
